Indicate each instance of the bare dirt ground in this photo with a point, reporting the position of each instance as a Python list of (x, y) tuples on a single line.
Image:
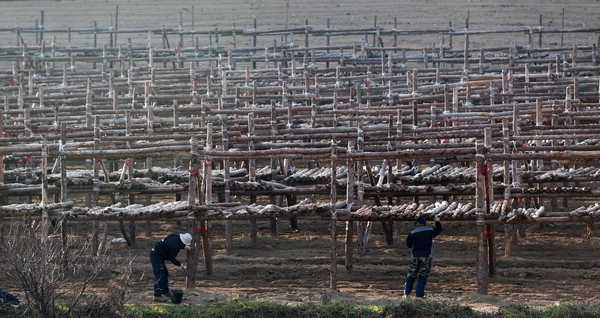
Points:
[(550, 265), (271, 14)]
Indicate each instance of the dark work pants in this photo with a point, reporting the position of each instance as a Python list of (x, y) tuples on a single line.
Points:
[(161, 275)]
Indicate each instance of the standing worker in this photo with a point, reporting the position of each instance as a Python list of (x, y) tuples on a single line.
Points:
[(420, 240), (166, 249)]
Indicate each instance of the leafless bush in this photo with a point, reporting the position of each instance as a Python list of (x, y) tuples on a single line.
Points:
[(48, 277)]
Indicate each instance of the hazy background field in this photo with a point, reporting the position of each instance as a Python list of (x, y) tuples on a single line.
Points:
[(270, 14)]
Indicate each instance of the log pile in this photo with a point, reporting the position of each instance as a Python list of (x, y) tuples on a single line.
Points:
[(16, 210), (410, 211)]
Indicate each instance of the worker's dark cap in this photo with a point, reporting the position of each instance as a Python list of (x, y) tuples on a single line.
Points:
[(421, 220)]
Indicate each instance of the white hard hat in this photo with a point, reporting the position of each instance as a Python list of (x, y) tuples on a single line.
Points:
[(186, 238)]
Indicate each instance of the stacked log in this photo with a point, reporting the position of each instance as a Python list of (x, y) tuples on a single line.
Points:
[(13, 210), (411, 211)]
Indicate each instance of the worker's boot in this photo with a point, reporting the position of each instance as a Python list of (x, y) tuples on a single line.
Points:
[(408, 286), (421, 287)]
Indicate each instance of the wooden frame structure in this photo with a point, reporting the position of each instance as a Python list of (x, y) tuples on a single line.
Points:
[(359, 135)]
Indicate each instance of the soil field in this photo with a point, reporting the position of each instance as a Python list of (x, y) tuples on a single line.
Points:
[(271, 14), (552, 264)]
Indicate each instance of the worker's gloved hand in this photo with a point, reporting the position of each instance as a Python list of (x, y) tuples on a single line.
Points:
[(189, 248), (177, 263), (436, 218)]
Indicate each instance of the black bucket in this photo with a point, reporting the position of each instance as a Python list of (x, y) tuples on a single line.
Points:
[(176, 296)]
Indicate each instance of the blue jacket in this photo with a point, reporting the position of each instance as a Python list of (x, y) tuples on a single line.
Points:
[(421, 239), (169, 247)]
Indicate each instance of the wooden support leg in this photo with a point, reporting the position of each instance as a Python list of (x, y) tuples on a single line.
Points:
[(565, 201), (388, 232), (294, 223), (192, 256), (102, 246), (291, 200), (482, 261), (274, 223), (522, 230), (333, 271), (64, 241), (253, 226), (491, 247), (228, 237), (148, 228), (148, 222), (124, 233), (206, 247), (349, 245), (363, 240), (132, 232), (589, 230), (94, 240), (508, 239)]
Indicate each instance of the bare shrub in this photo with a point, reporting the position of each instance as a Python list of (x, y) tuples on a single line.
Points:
[(49, 277)]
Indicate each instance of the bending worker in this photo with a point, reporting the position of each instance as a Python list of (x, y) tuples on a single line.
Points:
[(420, 240), (167, 249)]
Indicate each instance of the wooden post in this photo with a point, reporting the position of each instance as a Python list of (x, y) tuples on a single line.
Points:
[(508, 228), (63, 189), (116, 27), (207, 172), (350, 179), (192, 259), (480, 193), (41, 27), (327, 39), (589, 230), (252, 175), (333, 269), (44, 203), (96, 162), (541, 27), (254, 44), (562, 27), (489, 187), (274, 221), (466, 56), (227, 191), (129, 164), (1, 131), (306, 33), (362, 238)]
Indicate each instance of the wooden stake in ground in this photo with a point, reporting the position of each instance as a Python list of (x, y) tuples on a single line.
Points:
[(227, 191), (482, 254), (489, 197), (192, 259), (44, 203), (349, 202), (252, 174), (207, 169), (333, 270)]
